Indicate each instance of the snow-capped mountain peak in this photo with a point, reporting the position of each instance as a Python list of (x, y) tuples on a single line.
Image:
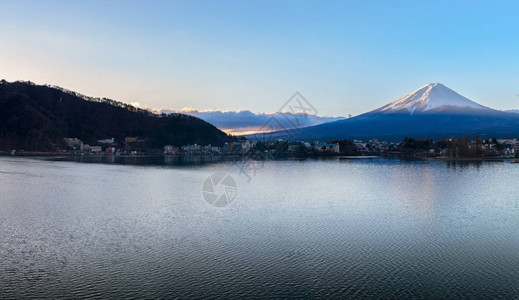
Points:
[(429, 97)]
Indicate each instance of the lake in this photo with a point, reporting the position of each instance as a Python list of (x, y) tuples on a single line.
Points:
[(327, 228)]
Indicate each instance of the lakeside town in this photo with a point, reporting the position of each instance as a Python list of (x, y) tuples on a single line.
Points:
[(455, 148)]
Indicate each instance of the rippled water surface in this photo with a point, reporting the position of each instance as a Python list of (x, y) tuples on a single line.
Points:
[(316, 228)]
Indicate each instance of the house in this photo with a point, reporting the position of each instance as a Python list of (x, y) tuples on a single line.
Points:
[(96, 149), (361, 146), (232, 147), (511, 146), (168, 149), (326, 147), (110, 150), (106, 141), (246, 146), (509, 151), (228, 147), (216, 150), (192, 148), (131, 139)]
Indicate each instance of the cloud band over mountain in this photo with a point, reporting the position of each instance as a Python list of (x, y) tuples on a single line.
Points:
[(246, 122)]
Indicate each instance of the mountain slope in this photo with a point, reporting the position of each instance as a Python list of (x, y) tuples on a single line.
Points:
[(35, 117), (430, 97), (433, 111)]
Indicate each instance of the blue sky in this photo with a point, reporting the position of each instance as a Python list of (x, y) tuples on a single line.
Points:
[(345, 57)]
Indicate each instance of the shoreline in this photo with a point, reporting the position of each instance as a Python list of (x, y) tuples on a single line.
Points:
[(341, 155), (36, 154), (512, 159)]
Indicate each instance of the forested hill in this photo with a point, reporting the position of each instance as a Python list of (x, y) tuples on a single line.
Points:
[(37, 117)]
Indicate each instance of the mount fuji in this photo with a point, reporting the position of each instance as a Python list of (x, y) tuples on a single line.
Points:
[(430, 98), (433, 111)]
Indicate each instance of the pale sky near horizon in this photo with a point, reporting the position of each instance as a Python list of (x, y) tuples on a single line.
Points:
[(345, 57)]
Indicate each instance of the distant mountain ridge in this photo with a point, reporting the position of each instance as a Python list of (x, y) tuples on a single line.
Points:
[(433, 111), (38, 117)]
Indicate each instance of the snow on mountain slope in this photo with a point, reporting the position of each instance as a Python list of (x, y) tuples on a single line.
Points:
[(430, 97)]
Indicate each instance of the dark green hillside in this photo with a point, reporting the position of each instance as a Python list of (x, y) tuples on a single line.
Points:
[(35, 117)]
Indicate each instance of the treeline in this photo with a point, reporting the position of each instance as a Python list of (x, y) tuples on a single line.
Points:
[(38, 118), (454, 147), (451, 147)]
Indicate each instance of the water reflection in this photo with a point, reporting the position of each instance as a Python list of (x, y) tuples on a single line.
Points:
[(464, 164), (321, 228), (142, 160)]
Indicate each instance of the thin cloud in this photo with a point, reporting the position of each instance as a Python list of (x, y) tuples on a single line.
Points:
[(245, 121)]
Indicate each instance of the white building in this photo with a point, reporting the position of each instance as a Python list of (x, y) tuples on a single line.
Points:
[(168, 149), (192, 148), (96, 149), (216, 149), (246, 146), (106, 141)]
